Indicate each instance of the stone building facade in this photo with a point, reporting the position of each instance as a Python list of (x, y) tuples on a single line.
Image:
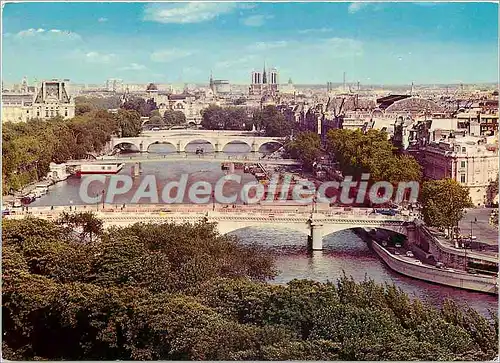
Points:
[(49, 100), (471, 161)]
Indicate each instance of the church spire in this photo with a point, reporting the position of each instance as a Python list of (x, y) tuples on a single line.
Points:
[(211, 81), (264, 75)]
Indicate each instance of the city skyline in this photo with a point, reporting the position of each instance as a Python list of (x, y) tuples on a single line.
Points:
[(374, 43)]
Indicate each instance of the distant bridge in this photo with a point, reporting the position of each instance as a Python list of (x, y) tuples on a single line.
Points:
[(316, 224), (218, 157), (181, 138)]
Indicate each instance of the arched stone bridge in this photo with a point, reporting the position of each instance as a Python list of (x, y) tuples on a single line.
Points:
[(316, 225), (180, 141)]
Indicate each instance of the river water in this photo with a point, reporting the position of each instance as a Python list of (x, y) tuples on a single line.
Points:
[(344, 252)]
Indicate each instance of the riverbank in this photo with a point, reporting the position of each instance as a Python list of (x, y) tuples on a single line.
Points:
[(444, 276)]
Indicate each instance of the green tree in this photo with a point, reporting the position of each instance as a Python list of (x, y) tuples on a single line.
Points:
[(371, 152), (444, 202), (224, 118), (98, 103), (140, 105), (85, 222), (174, 118), (272, 122), (29, 148), (129, 123), (82, 108), (306, 147), (155, 120), (184, 292)]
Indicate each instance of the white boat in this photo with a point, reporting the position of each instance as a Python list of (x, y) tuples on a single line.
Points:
[(41, 190), (448, 277), (99, 168)]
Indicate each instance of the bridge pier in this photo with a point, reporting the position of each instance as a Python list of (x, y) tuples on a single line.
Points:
[(217, 147), (108, 147), (180, 147), (316, 237), (137, 169), (254, 147)]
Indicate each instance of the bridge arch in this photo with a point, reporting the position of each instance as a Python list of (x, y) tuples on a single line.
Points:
[(147, 147), (126, 145), (328, 229), (270, 142), (192, 149), (222, 145), (225, 227)]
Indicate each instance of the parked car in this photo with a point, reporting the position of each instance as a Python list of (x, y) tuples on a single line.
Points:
[(409, 254)]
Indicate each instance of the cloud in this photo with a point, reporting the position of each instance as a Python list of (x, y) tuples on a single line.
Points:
[(184, 13), (133, 67), (51, 34), (355, 7), (256, 20), (260, 46), (191, 71), (320, 30), (170, 55), (236, 62), (95, 57), (340, 47), (102, 20)]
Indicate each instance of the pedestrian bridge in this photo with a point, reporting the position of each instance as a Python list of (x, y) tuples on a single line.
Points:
[(315, 224), (181, 139)]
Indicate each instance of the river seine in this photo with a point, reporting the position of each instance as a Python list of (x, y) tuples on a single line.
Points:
[(344, 252)]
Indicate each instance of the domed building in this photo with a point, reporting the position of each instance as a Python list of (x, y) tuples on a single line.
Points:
[(413, 106), (151, 88)]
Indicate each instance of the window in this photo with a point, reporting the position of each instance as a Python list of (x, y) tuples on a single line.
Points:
[(462, 164), (462, 178), (37, 113), (46, 113), (464, 149)]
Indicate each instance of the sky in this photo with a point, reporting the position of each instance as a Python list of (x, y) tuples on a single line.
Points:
[(311, 43)]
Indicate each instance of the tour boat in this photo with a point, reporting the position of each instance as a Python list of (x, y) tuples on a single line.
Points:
[(103, 168)]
